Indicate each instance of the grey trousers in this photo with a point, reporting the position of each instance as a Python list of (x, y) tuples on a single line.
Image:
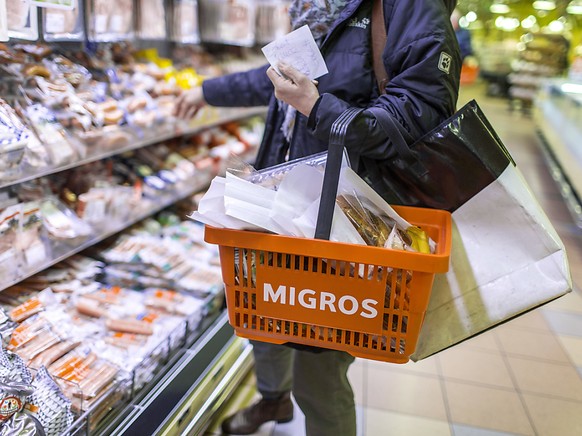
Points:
[(318, 381)]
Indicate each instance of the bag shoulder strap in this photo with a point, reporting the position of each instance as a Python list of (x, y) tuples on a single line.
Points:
[(378, 44)]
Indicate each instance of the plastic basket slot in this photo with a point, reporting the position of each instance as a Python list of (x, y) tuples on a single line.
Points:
[(252, 261), (347, 337), (237, 299), (247, 269)]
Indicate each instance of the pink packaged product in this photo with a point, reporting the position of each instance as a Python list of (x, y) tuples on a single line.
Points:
[(110, 21), (63, 22)]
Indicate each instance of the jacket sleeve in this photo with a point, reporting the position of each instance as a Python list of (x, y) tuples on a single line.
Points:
[(423, 63), (249, 88)]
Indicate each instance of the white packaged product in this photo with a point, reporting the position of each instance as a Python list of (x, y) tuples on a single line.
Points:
[(185, 22), (22, 20), (110, 20), (63, 24), (3, 21), (152, 19)]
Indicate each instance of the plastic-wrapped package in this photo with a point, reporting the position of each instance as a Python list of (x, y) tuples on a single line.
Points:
[(49, 405), (62, 224), (272, 20), (15, 380), (13, 139), (110, 20), (63, 24), (55, 4), (185, 22), (152, 19), (3, 21), (22, 20), (31, 240), (10, 227), (228, 21), (60, 144)]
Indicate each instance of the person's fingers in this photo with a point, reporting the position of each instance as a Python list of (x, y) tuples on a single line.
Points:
[(293, 74), (191, 112), (178, 105), (275, 77)]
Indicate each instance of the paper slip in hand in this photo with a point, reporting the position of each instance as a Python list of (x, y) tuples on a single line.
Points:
[(299, 50)]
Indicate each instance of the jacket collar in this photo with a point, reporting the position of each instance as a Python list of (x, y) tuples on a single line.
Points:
[(348, 11)]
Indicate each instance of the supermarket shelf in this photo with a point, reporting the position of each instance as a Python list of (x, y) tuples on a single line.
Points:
[(115, 412), (212, 117), (557, 117), (150, 207), (570, 196), (194, 383)]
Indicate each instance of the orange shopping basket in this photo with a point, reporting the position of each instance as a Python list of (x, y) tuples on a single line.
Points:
[(367, 301)]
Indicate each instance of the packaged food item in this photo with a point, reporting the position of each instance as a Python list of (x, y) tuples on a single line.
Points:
[(60, 145), (22, 20), (49, 405), (52, 353), (31, 240), (15, 386), (185, 22), (3, 21), (22, 424), (62, 224), (10, 256), (111, 21), (228, 21), (55, 4), (152, 19), (272, 20), (14, 137)]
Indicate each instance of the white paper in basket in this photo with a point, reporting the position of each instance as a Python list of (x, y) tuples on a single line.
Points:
[(506, 259), (211, 209)]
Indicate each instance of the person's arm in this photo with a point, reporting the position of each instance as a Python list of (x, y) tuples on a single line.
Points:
[(423, 62), (249, 88)]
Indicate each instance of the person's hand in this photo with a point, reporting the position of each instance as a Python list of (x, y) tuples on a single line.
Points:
[(294, 88), (189, 103)]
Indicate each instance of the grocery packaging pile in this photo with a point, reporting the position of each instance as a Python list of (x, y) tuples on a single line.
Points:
[(72, 338), (285, 200)]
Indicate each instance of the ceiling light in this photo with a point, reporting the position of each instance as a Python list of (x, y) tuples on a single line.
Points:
[(499, 8), (471, 16), (575, 7), (544, 5), (529, 22), (575, 88)]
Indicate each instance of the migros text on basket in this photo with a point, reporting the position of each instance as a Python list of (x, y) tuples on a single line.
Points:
[(320, 300)]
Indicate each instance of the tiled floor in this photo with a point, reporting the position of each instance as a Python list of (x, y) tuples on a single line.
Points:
[(521, 378)]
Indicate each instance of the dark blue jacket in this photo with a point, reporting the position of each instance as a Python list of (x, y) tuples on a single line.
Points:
[(421, 57)]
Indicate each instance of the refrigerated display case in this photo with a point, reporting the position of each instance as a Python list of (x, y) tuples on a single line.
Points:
[(558, 115)]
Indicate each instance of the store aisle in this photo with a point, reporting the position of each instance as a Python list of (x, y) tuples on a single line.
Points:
[(522, 378)]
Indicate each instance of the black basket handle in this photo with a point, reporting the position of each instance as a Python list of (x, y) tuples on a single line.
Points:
[(335, 151)]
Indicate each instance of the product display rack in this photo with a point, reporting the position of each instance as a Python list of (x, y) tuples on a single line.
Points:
[(543, 55), (183, 399), (558, 115), (148, 207), (210, 117), (205, 343), (188, 379)]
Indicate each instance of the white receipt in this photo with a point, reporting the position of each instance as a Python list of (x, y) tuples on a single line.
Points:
[(299, 50)]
